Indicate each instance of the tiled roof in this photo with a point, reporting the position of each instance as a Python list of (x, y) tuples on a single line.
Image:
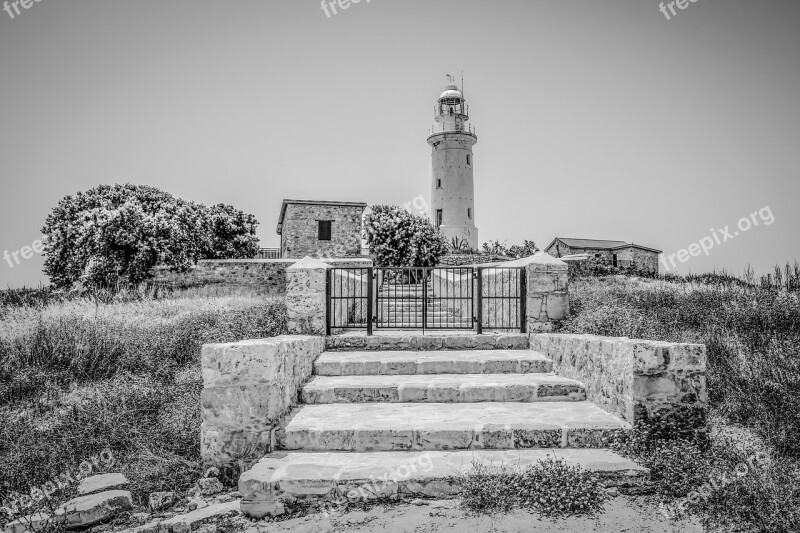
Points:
[(598, 244), (591, 243)]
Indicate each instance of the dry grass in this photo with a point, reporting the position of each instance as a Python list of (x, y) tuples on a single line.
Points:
[(753, 336), (78, 376)]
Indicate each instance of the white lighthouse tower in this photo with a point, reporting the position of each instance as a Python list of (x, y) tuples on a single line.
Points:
[(453, 187)]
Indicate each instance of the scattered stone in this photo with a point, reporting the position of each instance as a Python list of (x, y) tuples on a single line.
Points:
[(223, 498), (198, 503), (185, 523), (612, 491), (235, 495), (161, 500), (210, 528), (179, 510), (209, 486), (418, 502), (34, 522), (101, 482), (95, 508)]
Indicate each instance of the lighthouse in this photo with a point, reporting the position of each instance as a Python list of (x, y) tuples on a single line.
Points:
[(452, 185)]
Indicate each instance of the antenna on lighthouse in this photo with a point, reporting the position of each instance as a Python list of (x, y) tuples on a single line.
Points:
[(462, 81)]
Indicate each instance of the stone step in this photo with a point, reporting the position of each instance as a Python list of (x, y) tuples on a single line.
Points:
[(432, 362), (447, 426), (368, 476), (443, 388), (416, 340)]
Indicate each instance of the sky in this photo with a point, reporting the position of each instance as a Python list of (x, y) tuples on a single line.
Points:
[(602, 120)]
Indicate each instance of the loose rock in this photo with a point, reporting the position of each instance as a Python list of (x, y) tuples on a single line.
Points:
[(95, 508), (161, 500), (101, 482)]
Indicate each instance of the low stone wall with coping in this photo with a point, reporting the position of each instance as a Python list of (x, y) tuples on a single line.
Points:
[(261, 276), (631, 378), (248, 387)]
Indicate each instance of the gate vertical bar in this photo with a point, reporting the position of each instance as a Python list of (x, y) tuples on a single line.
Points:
[(523, 300), (480, 300), (370, 295), (328, 316), (424, 300)]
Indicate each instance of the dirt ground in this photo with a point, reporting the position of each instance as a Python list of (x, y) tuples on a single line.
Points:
[(622, 514)]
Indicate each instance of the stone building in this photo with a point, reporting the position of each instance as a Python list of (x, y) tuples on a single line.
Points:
[(320, 229), (452, 186), (617, 253)]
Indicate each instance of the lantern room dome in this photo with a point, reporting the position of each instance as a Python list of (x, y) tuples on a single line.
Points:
[(451, 91)]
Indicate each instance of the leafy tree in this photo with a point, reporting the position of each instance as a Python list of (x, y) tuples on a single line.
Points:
[(117, 234), (399, 238)]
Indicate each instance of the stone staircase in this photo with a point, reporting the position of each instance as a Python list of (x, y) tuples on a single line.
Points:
[(403, 423), (400, 305)]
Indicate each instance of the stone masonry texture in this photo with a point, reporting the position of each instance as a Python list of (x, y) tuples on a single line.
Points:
[(261, 276), (634, 379), (248, 387), (300, 237)]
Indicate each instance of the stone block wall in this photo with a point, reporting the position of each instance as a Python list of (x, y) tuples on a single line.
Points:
[(248, 387), (471, 259), (300, 236), (547, 292), (261, 276), (306, 297), (640, 258), (631, 378)]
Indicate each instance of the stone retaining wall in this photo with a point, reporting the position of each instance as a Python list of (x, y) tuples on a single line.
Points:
[(634, 379), (262, 276), (248, 387), (471, 259)]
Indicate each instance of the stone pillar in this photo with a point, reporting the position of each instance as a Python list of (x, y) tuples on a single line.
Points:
[(305, 297), (548, 292)]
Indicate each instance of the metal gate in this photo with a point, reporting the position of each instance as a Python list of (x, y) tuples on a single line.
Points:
[(423, 298)]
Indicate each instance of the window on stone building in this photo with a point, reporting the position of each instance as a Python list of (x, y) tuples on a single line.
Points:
[(324, 230), (438, 184), (469, 213), (616, 263), (469, 159), (439, 217)]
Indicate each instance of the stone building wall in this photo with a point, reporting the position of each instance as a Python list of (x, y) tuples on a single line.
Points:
[(625, 256), (641, 258), (300, 231)]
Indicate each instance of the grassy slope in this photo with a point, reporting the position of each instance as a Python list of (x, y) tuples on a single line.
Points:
[(77, 378), (753, 339)]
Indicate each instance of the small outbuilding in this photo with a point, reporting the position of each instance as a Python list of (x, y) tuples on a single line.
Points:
[(320, 229), (617, 253)]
